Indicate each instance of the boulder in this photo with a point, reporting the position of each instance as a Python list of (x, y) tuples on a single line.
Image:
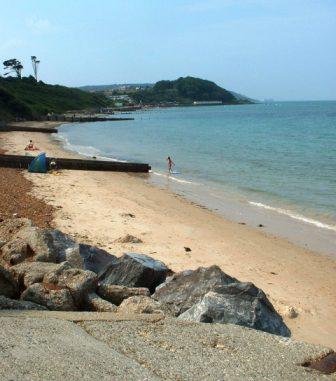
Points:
[(50, 296), (10, 227), (10, 304), (135, 270), (116, 294), (128, 238), (95, 303), (16, 251), (31, 244), (79, 282), (8, 286), (141, 305), (241, 304), (182, 290), (66, 249), (28, 273), (95, 259)]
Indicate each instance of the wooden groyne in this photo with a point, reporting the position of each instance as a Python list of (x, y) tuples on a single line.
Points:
[(85, 119), (22, 162), (10, 128)]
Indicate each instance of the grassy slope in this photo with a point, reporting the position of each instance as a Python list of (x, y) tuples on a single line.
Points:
[(30, 99)]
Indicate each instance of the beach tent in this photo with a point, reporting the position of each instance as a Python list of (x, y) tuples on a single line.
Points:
[(39, 164)]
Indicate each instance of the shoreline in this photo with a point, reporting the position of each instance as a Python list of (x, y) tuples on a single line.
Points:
[(309, 229), (95, 208)]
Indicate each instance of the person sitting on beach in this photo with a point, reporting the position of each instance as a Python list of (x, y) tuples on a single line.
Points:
[(31, 147), (170, 164)]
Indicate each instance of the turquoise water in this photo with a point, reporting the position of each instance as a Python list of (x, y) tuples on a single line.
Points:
[(279, 156)]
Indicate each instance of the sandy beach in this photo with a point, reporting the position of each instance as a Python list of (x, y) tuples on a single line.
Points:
[(101, 208)]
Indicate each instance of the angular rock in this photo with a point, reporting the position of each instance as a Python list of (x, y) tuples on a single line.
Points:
[(16, 251), (40, 241), (128, 238), (30, 243), (28, 273), (66, 249), (135, 270), (95, 303), (10, 227), (10, 304), (182, 290), (79, 282), (241, 304), (141, 305), (8, 286), (95, 259), (116, 294), (50, 296)]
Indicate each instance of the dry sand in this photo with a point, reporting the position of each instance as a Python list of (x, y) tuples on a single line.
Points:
[(95, 206)]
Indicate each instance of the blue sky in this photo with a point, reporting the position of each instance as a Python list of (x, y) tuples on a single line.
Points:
[(282, 49)]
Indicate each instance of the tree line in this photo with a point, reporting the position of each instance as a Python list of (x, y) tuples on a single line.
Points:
[(14, 66)]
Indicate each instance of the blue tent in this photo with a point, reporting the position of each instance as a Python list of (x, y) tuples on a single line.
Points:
[(39, 164)]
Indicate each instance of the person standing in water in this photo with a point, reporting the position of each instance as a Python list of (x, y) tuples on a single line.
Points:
[(170, 164)]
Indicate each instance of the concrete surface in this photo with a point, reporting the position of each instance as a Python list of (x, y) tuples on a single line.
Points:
[(77, 316), (176, 350), (33, 349), (44, 348)]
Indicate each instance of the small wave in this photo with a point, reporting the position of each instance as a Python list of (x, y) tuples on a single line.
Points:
[(295, 216), (87, 151), (174, 178)]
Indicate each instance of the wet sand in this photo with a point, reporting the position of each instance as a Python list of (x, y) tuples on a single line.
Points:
[(99, 208)]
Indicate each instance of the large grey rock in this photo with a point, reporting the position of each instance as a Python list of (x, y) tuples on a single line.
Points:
[(182, 290), (11, 304), (79, 282), (10, 227), (241, 304), (28, 273), (135, 270), (95, 303), (30, 243), (52, 297), (141, 305), (16, 251), (8, 286), (116, 294), (95, 259), (66, 249)]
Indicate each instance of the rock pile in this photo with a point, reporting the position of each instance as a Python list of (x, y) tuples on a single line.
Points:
[(47, 270)]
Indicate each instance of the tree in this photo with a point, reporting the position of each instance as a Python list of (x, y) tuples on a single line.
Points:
[(35, 64), (14, 66)]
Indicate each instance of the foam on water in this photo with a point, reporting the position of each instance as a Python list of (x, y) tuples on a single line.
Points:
[(170, 177), (295, 216), (84, 150)]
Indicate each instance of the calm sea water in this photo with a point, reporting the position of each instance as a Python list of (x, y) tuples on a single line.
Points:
[(279, 157)]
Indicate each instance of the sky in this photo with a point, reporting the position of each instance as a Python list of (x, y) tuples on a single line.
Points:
[(280, 49)]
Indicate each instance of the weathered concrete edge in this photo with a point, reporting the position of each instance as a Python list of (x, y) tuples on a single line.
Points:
[(82, 316)]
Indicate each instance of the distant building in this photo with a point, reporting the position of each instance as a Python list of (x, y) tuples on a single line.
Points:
[(119, 97), (204, 103)]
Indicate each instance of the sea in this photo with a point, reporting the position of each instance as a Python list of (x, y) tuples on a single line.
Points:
[(268, 165)]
